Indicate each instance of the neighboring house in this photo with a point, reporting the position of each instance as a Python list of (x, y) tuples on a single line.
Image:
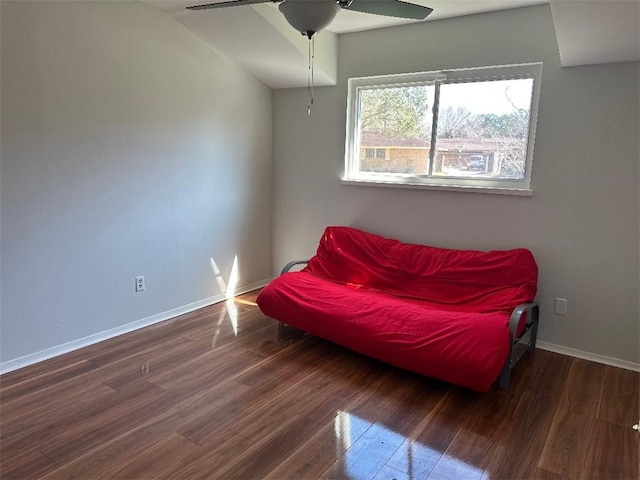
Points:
[(380, 152), (386, 153)]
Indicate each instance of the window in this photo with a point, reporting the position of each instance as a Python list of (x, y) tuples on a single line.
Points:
[(471, 129)]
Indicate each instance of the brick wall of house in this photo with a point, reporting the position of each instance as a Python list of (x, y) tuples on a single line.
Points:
[(398, 160)]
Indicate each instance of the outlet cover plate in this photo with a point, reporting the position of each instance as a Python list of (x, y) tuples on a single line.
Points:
[(561, 306)]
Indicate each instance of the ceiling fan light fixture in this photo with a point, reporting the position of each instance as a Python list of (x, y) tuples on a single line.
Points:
[(309, 16)]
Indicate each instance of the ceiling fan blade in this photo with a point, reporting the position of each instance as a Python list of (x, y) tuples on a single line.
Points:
[(390, 8), (229, 3)]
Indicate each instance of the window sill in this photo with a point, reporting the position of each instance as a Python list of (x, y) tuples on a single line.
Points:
[(523, 192)]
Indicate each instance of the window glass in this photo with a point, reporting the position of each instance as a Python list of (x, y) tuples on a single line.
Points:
[(483, 129), (460, 128), (397, 120)]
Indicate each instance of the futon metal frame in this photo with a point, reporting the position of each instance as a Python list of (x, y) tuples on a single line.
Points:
[(525, 342)]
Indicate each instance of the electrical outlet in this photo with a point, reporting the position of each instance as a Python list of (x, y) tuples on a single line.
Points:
[(140, 284), (561, 306)]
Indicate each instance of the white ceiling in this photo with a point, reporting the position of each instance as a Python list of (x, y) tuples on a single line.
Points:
[(258, 38)]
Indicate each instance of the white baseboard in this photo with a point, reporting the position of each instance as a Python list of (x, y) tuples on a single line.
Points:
[(572, 352), (48, 353)]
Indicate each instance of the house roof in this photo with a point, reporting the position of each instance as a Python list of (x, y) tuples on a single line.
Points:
[(374, 138), (379, 139)]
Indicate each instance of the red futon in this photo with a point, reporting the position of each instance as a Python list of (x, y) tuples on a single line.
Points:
[(461, 316)]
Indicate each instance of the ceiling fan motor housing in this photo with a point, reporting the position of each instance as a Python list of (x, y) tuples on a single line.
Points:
[(309, 16)]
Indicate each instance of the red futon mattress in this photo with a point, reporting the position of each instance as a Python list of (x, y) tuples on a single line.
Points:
[(439, 312)]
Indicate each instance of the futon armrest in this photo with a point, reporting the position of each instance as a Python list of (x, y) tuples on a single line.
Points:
[(531, 310), (519, 343), (290, 265)]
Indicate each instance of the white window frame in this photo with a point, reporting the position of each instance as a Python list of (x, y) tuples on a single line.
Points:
[(352, 174)]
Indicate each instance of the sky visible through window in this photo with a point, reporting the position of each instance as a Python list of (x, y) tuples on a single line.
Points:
[(497, 97)]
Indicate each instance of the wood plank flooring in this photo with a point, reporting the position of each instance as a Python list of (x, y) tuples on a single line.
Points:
[(193, 398)]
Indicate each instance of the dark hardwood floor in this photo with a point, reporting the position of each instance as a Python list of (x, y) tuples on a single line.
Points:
[(189, 398)]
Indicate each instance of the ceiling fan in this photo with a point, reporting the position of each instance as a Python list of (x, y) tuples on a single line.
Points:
[(311, 16)]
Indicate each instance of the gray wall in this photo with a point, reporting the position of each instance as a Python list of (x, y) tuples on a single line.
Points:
[(582, 222), (129, 148)]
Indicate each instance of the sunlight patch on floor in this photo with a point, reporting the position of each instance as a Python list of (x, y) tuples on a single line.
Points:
[(228, 288)]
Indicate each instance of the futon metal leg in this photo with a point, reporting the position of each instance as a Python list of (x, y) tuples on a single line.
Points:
[(281, 327), (505, 375), (534, 330)]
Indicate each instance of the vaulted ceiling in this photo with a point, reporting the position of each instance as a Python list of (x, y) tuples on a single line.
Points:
[(259, 39)]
